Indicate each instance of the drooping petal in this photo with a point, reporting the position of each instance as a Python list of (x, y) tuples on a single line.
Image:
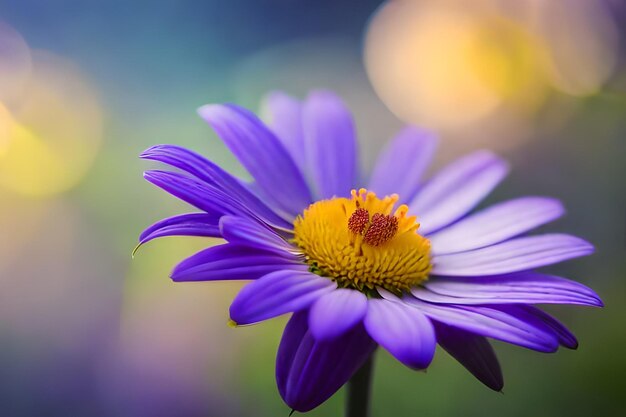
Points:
[(278, 293), (457, 189), (522, 287), (402, 330), (247, 232), (400, 166), (474, 352), (331, 147), (336, 312), (565, 337), (514, 255), (523, 329), (207, 171), (284, 114), (191, 224), (262, 154), (496, 224), (309, 371), (293, 339), (233, 262)]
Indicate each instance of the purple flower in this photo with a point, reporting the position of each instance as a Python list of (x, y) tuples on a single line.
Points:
[(355, 266)]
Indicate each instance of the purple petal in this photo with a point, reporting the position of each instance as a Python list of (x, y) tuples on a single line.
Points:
[(247, 232), (474, 352), (262, 154), (488, 321), (192, 224), (515, 255), (522, 287), (457, 189), (330, 144), (309, 371), (233, 262), (403, 330), (285, 119), (192, 163), (192, 191), (496, 224), (565, 337), (400, 166), (207, 171), (336, 312), (278, 293)]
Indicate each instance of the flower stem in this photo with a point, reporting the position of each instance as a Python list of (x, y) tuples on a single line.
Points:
[(358, 395)]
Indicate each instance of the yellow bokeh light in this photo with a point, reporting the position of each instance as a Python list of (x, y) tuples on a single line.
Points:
[(447, 65), (509, 60), (29, 165), (52, 133)]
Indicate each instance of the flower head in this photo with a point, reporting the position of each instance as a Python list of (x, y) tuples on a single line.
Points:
[(361, 244), (403, 264)]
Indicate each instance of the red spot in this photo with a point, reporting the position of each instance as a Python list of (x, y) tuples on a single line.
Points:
[(358, 221), (383, 228)]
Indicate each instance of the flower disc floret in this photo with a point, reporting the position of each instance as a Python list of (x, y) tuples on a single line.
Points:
[(360, 244)]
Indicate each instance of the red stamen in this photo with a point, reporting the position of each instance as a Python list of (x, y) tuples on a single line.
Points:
[(358, 221), (383, 228)]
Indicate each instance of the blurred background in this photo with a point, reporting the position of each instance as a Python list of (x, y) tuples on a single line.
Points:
[(86, 85)]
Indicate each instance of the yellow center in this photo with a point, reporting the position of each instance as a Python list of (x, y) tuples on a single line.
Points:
[(358, 243)]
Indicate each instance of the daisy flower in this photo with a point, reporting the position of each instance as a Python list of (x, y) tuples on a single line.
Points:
[(391, 260)]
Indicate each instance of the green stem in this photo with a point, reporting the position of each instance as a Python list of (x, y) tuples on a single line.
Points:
[(358, 395)]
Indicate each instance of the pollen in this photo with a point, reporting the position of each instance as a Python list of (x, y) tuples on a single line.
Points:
[(358, 221), (381, 230), (362, 243)]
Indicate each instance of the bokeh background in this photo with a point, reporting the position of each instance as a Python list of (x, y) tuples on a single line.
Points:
[(86, 85)]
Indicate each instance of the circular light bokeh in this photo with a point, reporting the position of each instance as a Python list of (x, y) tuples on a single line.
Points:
[(51, 135), (447, 65), (454, 64)]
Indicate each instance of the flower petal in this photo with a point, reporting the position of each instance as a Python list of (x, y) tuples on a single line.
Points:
[(457, 189), (278, 293), (284, 114), (247, 232), (192, 191), (233, 262), (522, 287), (309, 371), (330, 144), (474, 352), (191, 224), (336, 312), (402, 330), (496, 224), (262, 154), (565, 337), (521, 329), (400, 166), (515, 255), (207, 171)]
